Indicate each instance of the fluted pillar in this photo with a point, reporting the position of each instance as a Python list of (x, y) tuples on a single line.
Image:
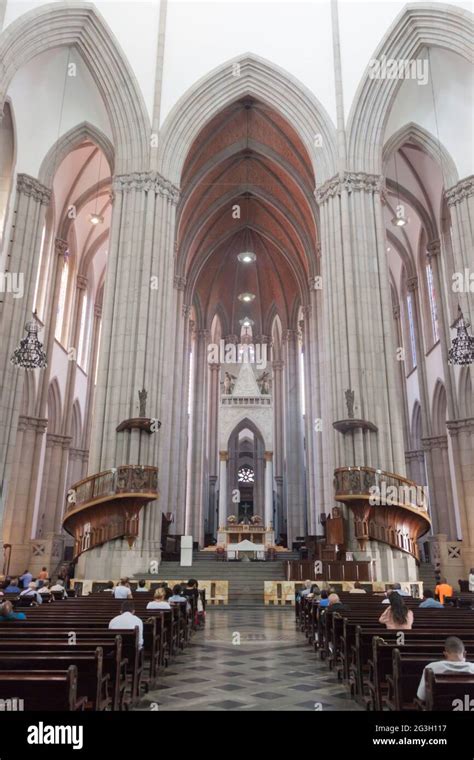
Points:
[(195, 502), (357, 332), (460, 200), (440, 488), (212, 444), (31, 201), (461, 434), (223, 459), (294, 471), (269, 522)]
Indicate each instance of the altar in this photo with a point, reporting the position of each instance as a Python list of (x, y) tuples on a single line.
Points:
[(234, 534), (245, 550)]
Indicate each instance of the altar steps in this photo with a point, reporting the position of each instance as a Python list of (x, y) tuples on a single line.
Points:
[(246, 579)]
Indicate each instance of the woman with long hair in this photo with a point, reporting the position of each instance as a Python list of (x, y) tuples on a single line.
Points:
[(397, 616)]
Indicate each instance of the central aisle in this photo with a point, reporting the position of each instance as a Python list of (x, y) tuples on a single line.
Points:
[(272, 668)]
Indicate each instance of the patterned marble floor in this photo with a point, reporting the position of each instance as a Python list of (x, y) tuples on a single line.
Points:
[(248, 660)]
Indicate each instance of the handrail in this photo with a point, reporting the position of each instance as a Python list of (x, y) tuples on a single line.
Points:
[(132, 479)]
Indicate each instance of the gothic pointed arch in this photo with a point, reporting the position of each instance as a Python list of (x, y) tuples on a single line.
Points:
[(81, 25)]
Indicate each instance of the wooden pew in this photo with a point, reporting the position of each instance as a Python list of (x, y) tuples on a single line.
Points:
[(444, 691), (43, 690)]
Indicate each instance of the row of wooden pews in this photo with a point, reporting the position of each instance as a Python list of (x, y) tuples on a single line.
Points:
[(63, 656), (382, 668)]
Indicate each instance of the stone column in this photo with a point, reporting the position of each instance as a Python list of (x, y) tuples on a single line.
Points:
[(460, 200), (259, 484), (19, 512), (140, 332), (269, 522), (440, 488), (461, 433), (178, 474), (279, 446), (357, 332), (294, 474), (31, 200), (212, 443), (52, 500), (196, 502), (223, 459)]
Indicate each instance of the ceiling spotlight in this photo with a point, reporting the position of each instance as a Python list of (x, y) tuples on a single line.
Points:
[(246, 257), (246, 297), (96, 219), (246, 322)]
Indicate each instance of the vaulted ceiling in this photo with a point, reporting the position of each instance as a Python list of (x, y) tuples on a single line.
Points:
[(247, 184)]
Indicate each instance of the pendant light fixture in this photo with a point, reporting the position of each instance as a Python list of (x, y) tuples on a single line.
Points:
[(30, 354), (461, 352)]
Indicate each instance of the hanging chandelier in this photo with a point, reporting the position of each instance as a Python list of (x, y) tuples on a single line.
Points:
[(30, 354), (462, 349)]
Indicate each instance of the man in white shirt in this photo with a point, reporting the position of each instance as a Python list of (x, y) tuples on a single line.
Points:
[(454, 662), (396, 587), (122, 591), (141, 586), (128, 619), (32, 592), (357, 589)]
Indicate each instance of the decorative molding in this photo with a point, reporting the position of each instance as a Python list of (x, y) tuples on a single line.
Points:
[(186, 310), (463, 189), (53, 439), (223, 456), (461, 426), (81, 282), (146, 182), (61, 247), (179, 282), (350, 182), (32, 188), (38, 424), (396, 311), (278, 365), (268, 456), (433, 249), (98, 310), (412, 283), (415, 455), (434, 442)]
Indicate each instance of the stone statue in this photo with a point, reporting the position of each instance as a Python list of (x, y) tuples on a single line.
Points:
[(264, 383), (229, 382), (350, 403), (142, 395)]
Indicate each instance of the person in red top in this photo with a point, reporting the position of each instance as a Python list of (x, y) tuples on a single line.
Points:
[(443, 589)]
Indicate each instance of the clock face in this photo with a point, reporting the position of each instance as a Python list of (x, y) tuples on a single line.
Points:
[(246, 475)]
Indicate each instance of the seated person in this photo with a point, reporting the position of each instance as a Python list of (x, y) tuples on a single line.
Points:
[(397, 616), (335, 604), (7, 615), (45, 589), (26, 578), (31, 593), (122, 590), (128, 619), (454, 662), (159, 601), (396, 587), (141, 586), (324, 601), (12, 586), (357, 589), (429, 600), (109, 587), (191, 589), (177, 595), (59, 586), (443, 589), (307, 588)]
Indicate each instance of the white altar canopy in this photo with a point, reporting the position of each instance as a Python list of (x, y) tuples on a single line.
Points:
[(245, 547)]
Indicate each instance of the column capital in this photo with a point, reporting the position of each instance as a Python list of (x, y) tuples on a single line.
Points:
[(214, 366), (81, 282), (234, 339), (146, 182), (433, 249), (463, 189), (223, 456), (186, 310), (179, 282), (60, 247), (268, 456), (290, 335), (414, 455), (33, 188), (53, 439), (434, 442), (412, 283), (460, 426), (278, 365), (396, 311), (349, 182), (38, 424), (98, 310)]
